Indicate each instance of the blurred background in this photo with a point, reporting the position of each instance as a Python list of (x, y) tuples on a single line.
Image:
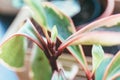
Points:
[(81, 12)]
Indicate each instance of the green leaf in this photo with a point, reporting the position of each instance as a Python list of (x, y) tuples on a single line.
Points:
[(51, 16), (113, 67), (99, 73), (37, 12), (55, 17), (65, 28), (104, 32), (97, 56), (97, 37), (40, 65), (13, 50), (28, 30), (54, 34), (107, 22), (58, 75), (77, 53)]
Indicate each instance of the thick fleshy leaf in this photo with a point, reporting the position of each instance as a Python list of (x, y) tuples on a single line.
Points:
[(108, 22), (55, 17), (102, 38), (13, 50), (105, 32), (52, 16), (99, 73), (40, 65), (113, 68), (58, 75), (65, 29), (28, 30), (97, 56), (38, 13)]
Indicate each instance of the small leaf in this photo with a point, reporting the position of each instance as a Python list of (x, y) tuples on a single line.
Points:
[(97, 56), (40, 65), (113, 68), (54, 34), (58, 75), (99, 73)]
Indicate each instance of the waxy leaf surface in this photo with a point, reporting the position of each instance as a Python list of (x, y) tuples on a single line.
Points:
[(40, 65), (97, 56), (105, 32), (13, 49), (113, 68), (99, 73)]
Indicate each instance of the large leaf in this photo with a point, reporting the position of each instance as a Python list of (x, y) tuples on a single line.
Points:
[(40, 65), (99, 73), (104, 32), (13, 49), (97, 56), (113, 68)]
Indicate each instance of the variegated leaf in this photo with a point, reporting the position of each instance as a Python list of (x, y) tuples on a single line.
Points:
[(41, 68)]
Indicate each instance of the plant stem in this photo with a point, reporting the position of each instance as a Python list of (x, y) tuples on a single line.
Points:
[(49, 47), (53, 64), (88, 75)]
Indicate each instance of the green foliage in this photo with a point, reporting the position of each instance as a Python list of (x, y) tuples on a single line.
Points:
[(12, 53), (97, 56), (40, 65), (47, 18), (52, 16), (38, 14), (113, 68), (54, 33), (99, 73)]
